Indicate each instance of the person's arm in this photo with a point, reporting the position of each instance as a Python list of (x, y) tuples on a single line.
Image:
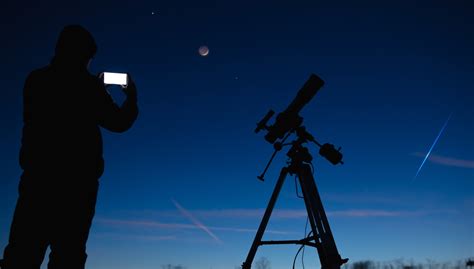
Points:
[(115, 118)]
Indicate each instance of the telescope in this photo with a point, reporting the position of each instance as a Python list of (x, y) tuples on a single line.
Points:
[(299, 164)]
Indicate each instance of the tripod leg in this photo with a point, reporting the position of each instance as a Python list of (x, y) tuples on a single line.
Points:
[(313, 220), (331, 258), (263, 224)]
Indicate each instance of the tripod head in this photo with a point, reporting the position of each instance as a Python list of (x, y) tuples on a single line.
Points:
[(289, 121)]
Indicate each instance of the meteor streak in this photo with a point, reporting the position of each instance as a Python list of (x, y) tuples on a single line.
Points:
[(432, 146)]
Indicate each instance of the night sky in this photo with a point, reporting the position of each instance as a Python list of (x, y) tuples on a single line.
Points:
[(180, 187)]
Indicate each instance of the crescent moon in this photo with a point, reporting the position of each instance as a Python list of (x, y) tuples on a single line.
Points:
[(203, 50)]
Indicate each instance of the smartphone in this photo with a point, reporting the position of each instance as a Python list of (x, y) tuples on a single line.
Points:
[(115, 78)]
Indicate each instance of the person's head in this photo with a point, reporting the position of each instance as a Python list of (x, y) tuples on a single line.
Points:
[(75, 46)]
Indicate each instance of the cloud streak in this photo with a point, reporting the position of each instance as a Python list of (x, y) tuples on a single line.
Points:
[(195, 221), (447, 161), (301, 213), (144, 223), (251, 213), (174, 226), (135, 237), (258, 213), (243, 214), (239, 214), (375, 213)]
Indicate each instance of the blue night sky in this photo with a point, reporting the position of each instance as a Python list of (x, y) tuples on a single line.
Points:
[(394, 71)]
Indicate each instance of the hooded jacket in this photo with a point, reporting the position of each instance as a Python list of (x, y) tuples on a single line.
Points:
[(63, 108)]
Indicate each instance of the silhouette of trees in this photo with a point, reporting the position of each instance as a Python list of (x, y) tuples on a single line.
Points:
[(262, 263), (172, 266), (403, 264), (363, 265)]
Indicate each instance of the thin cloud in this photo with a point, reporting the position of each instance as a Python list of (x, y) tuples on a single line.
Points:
[(277, 214), (301, 213), (243, 230), (135, 237), (447, 161), (375, 213), (249, 213), (361, 213), (144, 223), (178, 226), (196, 222), (364, 198)]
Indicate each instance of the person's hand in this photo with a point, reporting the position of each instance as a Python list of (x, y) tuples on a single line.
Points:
[(101, 77), (130, 89)]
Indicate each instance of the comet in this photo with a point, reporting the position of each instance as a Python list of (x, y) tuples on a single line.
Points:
[(433, 145)]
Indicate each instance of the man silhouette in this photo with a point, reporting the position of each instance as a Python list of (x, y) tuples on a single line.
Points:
[(61, 155)]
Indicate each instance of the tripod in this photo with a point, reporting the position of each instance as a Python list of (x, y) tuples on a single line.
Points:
[(321, 238)]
